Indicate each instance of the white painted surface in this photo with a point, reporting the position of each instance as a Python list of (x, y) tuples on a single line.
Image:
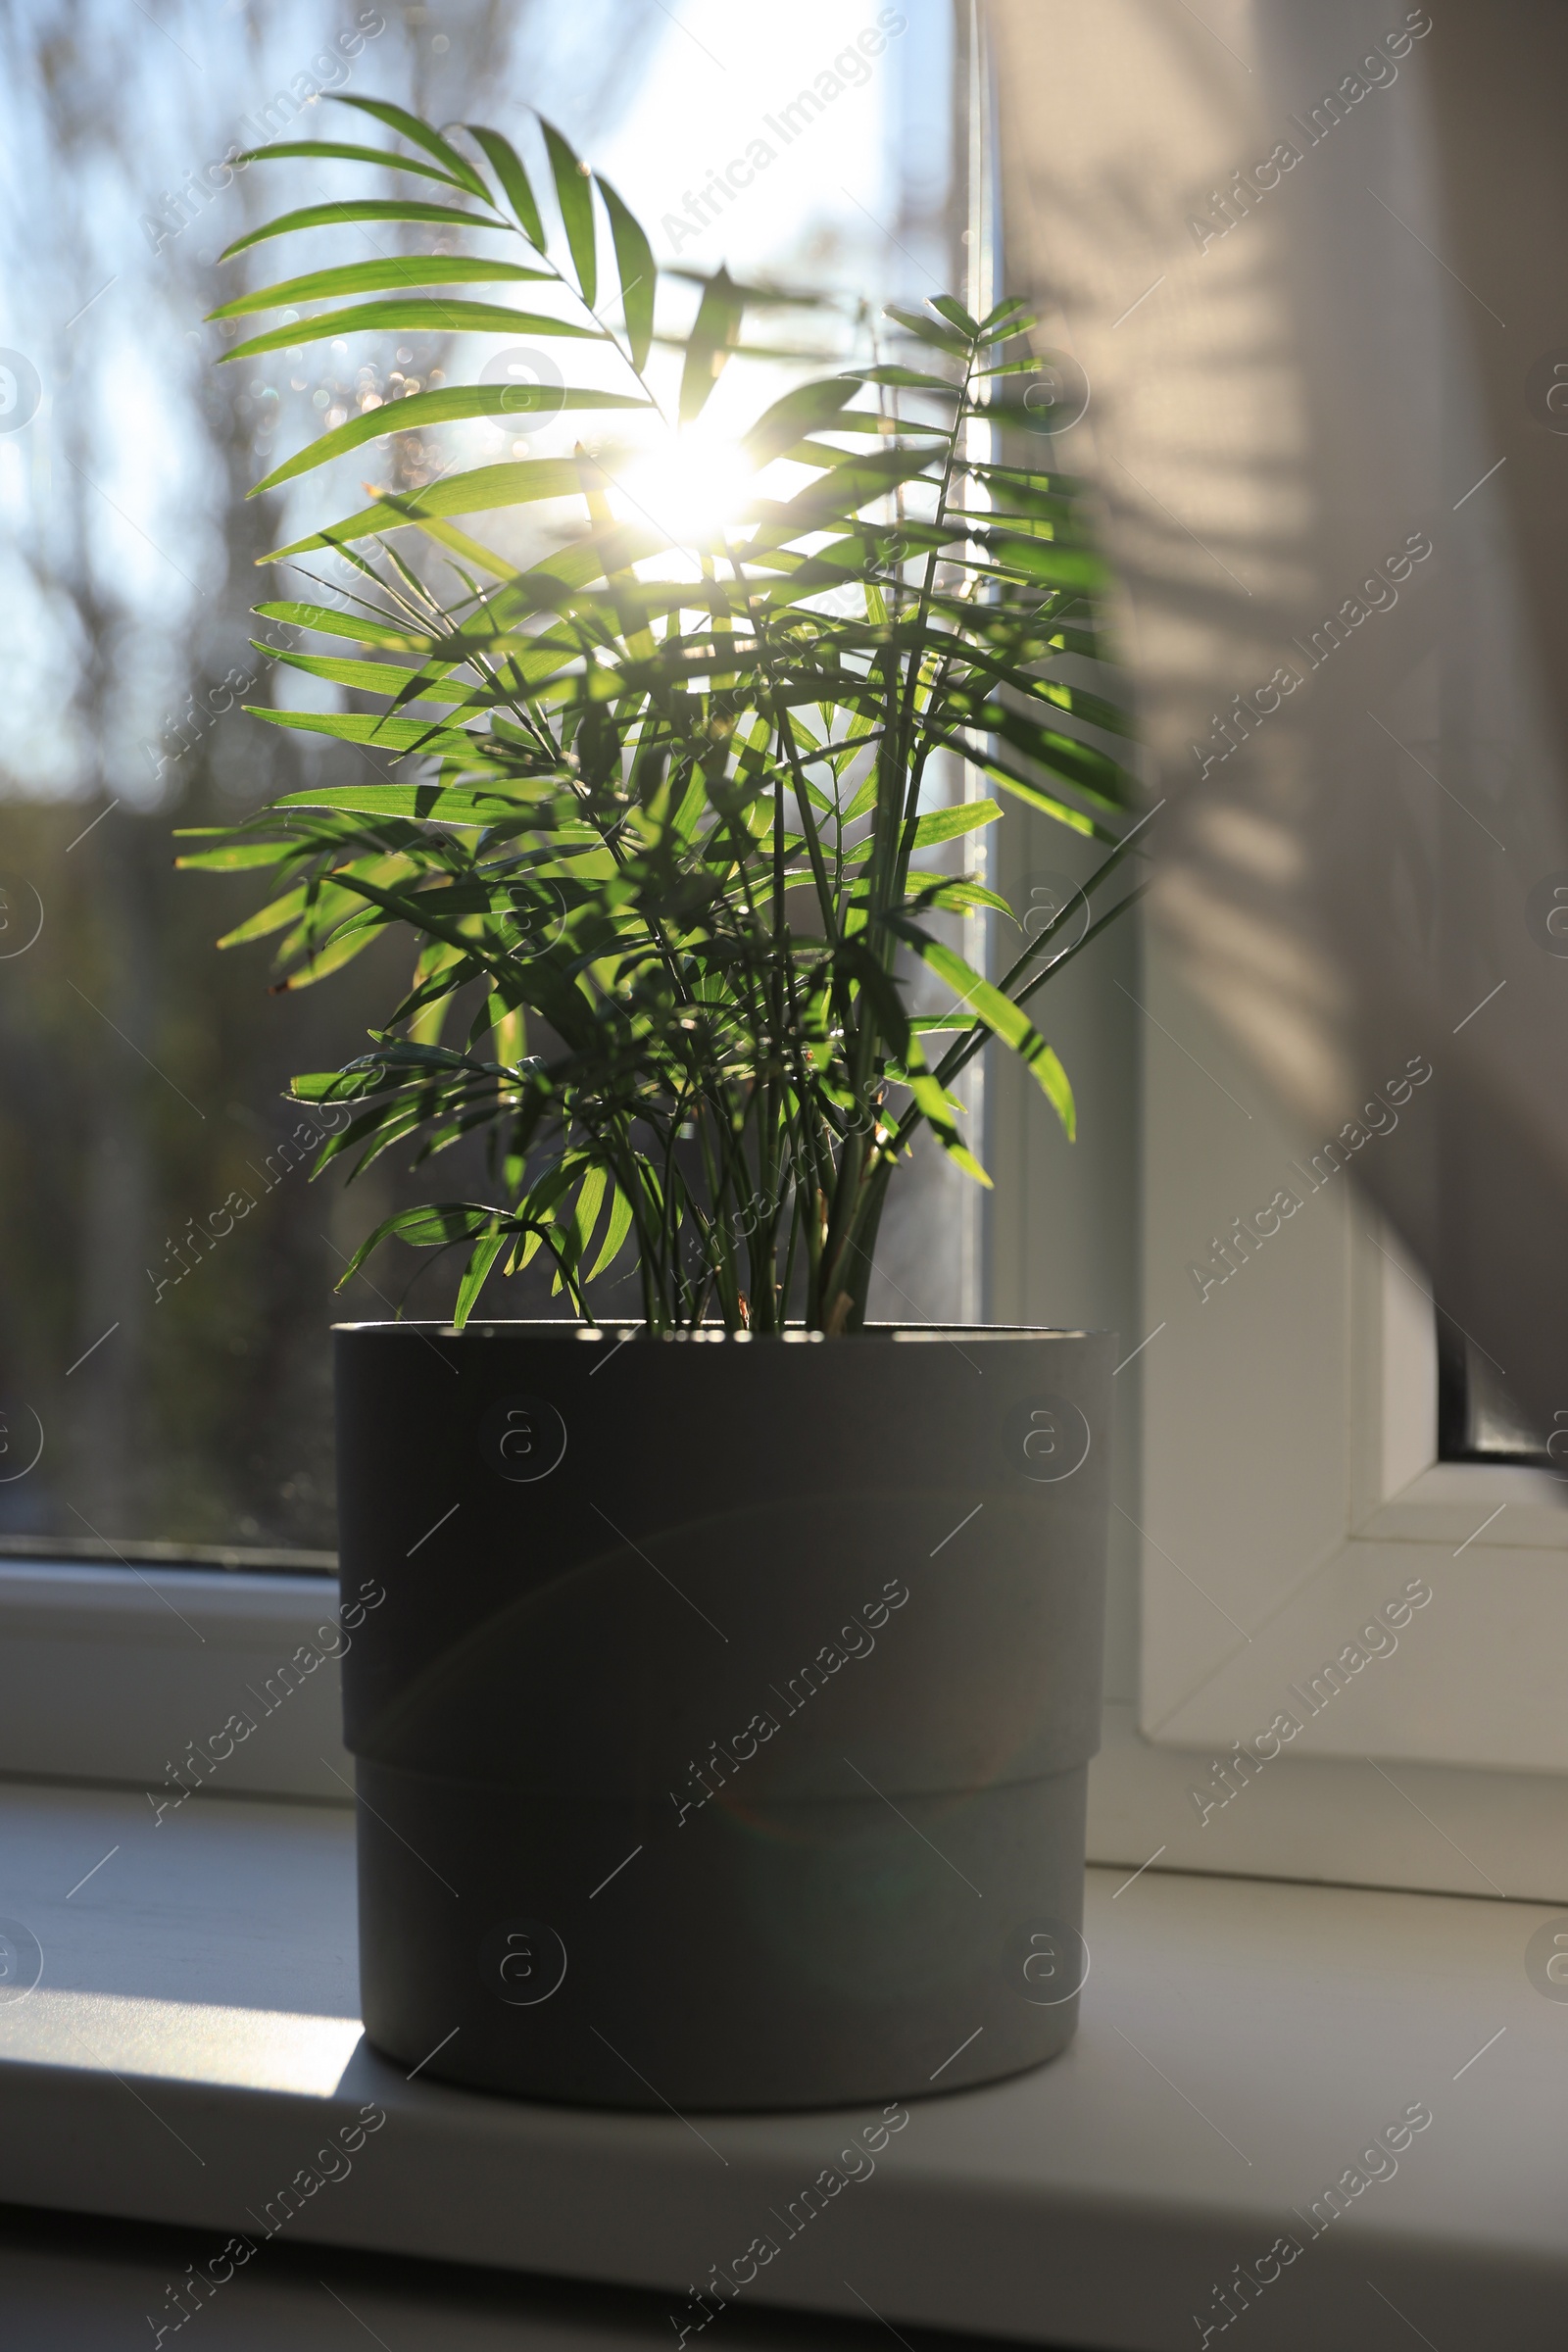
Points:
[(1290, 1491), (71, 2285), (119, 1673), (1241, 2044)]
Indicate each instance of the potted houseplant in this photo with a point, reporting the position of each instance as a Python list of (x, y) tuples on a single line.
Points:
[(722, 1741)]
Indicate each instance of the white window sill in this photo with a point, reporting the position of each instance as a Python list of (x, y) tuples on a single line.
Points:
[(1423, 1512), (194, 2039)]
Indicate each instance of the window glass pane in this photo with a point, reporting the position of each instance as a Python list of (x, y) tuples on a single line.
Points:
[(168, 1264)]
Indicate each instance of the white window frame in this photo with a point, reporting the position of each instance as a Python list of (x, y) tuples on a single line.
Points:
[(1288, 1487), (120, 1674)]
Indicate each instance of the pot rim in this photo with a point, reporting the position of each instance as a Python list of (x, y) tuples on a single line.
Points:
[(707, 1334)]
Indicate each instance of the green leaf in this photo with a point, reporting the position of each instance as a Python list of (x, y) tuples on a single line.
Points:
[(445, 534), (957, 315), (346, 215), (926, 330), (331, 623), (357, 726), (1010, 320), (452, 403), (268, 919), (956, 895), (946, 825), (865, 799), (1021, 789), (335, 1086), (482, 491), (415, 315), (321, 963), (507, 165), (1026, 488), (482, 1258), (910, 377), (715, 331), (364, 677), (840, 491), (420, 133), (435, 1227), (1066, 758), (585, 1213), (328, 150), (1001, 1017), (807, 409), (397, 275), (1049, 563), (639, 274), (575, 197), (442, 804), (236, 857), (932, 1098), (621, 1214)]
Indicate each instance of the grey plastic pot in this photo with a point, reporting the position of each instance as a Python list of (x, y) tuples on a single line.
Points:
[(722, 1737)]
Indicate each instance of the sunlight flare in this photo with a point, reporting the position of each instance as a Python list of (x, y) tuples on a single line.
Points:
[(693, 487)]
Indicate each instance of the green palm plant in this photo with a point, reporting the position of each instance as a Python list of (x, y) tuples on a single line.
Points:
[(667, 845)]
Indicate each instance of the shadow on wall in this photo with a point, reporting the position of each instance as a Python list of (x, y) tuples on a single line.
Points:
[(1282, 254)]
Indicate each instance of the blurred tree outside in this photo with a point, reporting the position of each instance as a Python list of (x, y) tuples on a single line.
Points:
[(168, 1268)]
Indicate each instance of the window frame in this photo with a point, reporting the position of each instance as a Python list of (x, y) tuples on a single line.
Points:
[(112, 1674), (1439, 1765)]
